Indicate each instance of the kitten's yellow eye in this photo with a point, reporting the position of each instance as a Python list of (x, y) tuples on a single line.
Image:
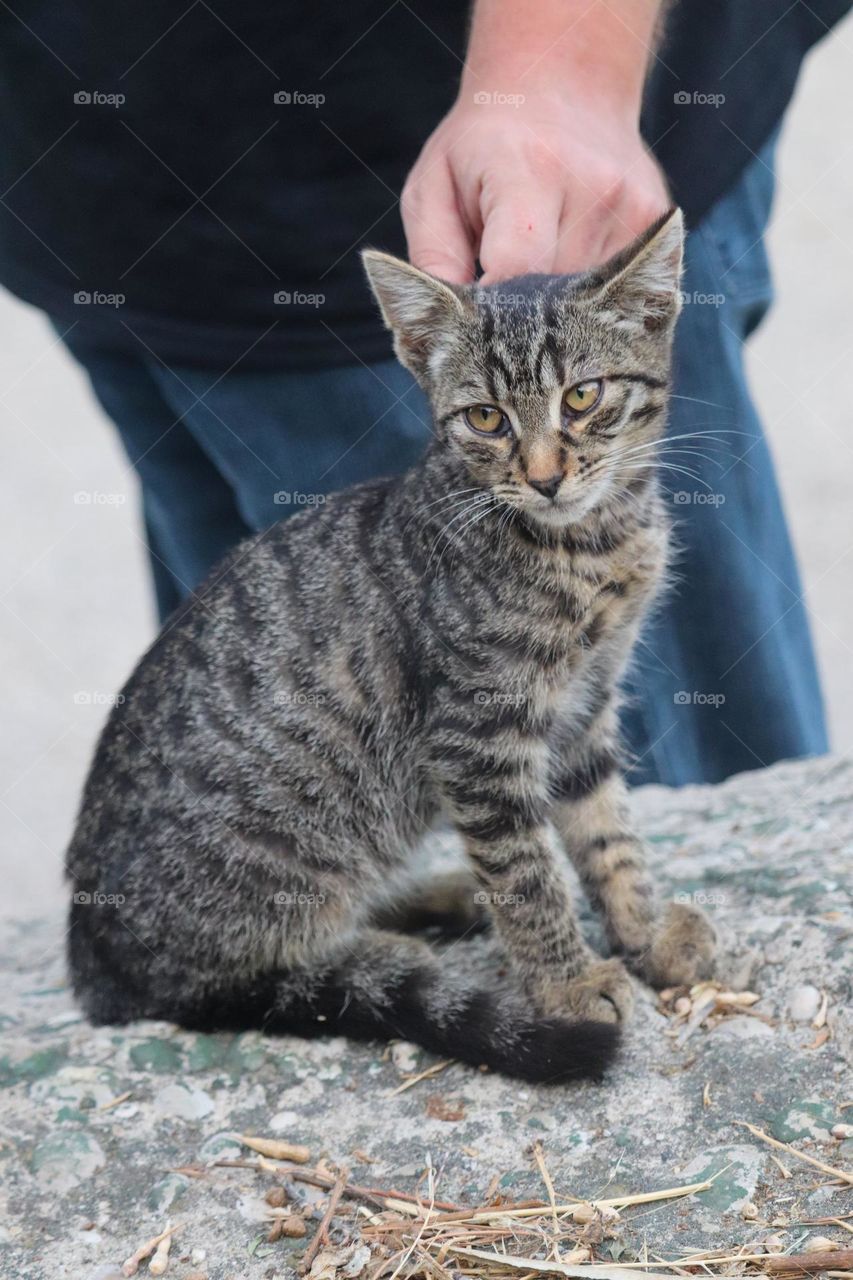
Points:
[(485, 417), (582, 397)]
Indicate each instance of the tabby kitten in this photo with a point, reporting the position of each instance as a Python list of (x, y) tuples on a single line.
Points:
[(445, 642)]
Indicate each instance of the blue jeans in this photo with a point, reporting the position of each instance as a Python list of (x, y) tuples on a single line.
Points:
[(724, 678)]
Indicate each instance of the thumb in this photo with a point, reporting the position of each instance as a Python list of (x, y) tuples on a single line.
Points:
[(436, 234)]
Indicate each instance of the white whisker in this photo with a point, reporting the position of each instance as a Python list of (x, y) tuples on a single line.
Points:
[(479, 514), (472, 504), (695, 400), (683, 471), (445, 497)]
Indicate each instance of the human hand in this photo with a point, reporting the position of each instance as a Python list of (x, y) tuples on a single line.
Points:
[(552, 179)]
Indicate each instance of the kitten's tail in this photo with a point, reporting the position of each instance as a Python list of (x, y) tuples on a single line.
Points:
[(393, 987)]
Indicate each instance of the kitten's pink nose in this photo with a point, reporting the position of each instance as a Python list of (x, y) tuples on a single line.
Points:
[(548, 486)]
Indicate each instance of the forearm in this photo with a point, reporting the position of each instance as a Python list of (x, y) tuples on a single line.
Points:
[(600, 51)]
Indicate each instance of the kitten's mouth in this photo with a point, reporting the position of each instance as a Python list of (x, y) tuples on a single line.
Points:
[(563, 509), (556, 513)]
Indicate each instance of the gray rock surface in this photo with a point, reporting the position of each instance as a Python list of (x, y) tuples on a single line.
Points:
[(768, 853)]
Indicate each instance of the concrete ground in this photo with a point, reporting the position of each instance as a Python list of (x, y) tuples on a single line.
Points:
[(112, 1132), (73, 590)]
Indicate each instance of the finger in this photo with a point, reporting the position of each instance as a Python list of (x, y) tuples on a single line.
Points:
[(436, 233), (581, 242), (592, 232), (520, 229), (634, 219)]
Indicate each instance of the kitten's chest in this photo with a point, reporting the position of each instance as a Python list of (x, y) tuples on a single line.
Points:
[(586, 606), (585, 624)]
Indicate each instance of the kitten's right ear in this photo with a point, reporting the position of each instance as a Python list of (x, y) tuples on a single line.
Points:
[(416, 307)]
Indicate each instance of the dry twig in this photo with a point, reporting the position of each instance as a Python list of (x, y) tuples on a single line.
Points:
[(840, 1174), (160, 1262), (427, 1074), (116, 1102), (376, 1195), (322, 1234), (571, 1270), (797, 1264), (131, 1265), (277, 1150)]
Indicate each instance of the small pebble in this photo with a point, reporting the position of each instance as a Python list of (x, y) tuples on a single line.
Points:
[(749, 1211), (276, 1196), (803, 1003), (405, 1056), (842, 1131), (683, 1005), (574, 1256), (293, 1227), (773, 1244)]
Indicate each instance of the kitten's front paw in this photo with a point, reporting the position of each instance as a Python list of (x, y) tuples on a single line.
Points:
[(602, 993), (682, 951)]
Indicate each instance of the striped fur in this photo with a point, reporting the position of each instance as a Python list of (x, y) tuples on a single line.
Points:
[(446, 643)]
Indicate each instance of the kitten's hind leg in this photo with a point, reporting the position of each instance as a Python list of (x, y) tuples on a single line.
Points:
[(380, 985), (450, 902), (370, 984)]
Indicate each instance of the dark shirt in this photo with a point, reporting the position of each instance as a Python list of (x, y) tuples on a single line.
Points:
[(205, 176)]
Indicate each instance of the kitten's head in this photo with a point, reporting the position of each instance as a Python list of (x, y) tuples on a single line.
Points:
[(550, 389)]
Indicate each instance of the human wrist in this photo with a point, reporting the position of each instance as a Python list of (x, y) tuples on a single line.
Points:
[(597, 56)]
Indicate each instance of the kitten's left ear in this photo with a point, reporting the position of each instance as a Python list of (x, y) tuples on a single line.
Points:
[(417, 308), (642, 281)]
